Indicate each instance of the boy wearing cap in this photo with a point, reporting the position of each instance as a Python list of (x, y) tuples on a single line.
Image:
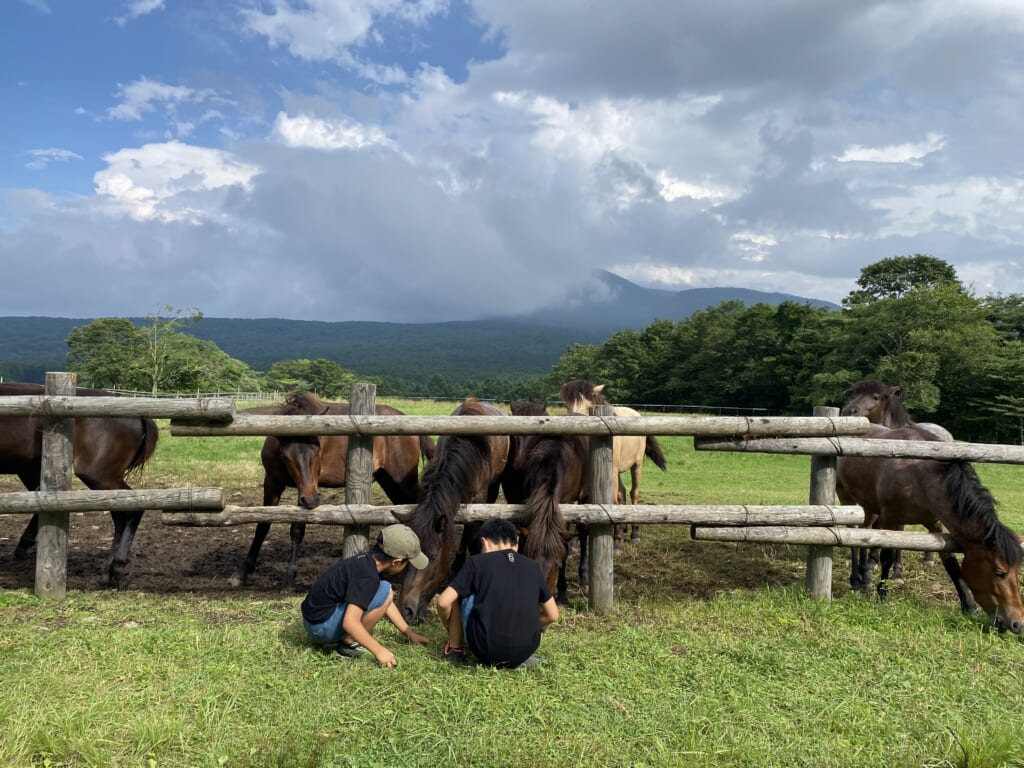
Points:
[(497, 604), (346, 602)]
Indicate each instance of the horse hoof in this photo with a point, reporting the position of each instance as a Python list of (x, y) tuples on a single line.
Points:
[(562, 599), (237, 580)]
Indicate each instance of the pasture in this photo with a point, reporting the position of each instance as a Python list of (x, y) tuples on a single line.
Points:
[(712, 656)]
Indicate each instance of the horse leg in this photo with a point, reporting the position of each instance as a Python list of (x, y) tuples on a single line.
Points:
[(887, 559), (125, 526), (952, 566), (562, 584), (27, 542), (297, 532), (634, 497), (584, 574), (619, 529), (271, 498)]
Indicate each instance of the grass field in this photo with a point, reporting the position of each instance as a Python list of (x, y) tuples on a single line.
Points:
[(712, 656)]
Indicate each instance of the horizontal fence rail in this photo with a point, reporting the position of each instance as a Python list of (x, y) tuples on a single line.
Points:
[(864, 447), (366, 514), (32, 502), (839, 537), (154, 408), (721, 426)]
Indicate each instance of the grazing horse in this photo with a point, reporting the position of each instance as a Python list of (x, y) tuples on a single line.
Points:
[(107, 451), (628, 450), (311, 463), (943, 497), (879, 403), (465, 469)]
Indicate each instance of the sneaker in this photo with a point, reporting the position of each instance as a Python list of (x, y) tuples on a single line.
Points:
[(350, 650), (453, 655), (533, 661)]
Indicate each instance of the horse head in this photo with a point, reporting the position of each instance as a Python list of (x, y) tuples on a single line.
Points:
[(580, 394), (991, 570), (877, 402), (301, 457), (420, 585)]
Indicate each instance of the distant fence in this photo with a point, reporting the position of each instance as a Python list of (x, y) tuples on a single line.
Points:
[(831, 434)]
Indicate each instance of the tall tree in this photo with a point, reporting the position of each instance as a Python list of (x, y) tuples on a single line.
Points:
[(107, 353), (895, 277), (161, 329)]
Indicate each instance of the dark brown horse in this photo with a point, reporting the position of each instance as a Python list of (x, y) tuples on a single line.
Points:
[(465, 469), (556, 472), (943, 497), (513, 481), (880, 404), (628, 450), (107, 451), (311, 463)]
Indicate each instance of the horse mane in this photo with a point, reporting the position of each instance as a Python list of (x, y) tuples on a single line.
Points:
[(973, 502), (581, 389), (546, 462), (303, 404), (528, 408)]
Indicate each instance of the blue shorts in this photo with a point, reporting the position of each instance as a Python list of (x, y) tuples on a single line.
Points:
[(465, 608), (331, 631)]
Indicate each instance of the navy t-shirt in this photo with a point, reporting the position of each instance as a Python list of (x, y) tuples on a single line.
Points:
[(353, 580), (508, 588)]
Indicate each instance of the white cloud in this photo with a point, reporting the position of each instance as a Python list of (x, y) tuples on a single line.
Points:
[(145, 95), (41, 158), (911, 153), (317, 133), (171, 181), (40, 5), (138, 8)]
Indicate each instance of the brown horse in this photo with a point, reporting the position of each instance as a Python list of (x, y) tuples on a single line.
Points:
[(465, 469), (311, 463), (107, 451), (943, 497), (879, 403), (513, 481), (628, 450), (556, 471)]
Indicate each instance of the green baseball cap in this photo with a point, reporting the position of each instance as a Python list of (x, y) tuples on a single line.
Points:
[(401, 541)]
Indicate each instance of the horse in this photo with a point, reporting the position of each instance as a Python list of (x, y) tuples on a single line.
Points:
[(464, 469), (513, 481), (311, 463), (628, 450), (946, 497), (107, 452), (879, 403)]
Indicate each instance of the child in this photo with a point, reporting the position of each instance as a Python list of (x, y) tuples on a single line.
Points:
[(497, 604), (346, 602)]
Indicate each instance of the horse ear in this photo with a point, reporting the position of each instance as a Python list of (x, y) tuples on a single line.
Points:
[(598, 388), (894, 390)]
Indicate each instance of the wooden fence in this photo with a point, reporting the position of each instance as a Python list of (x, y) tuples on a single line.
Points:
[(815, 524)]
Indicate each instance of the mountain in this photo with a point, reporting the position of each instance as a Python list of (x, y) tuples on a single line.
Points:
[(528, 344)]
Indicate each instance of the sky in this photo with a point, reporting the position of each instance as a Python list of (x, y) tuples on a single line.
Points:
[(432, 160)]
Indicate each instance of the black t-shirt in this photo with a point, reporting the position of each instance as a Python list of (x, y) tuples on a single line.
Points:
[(508, 588), (353, 580)]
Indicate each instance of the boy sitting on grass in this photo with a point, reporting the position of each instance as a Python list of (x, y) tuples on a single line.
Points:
[(497, 604), (346, 602)]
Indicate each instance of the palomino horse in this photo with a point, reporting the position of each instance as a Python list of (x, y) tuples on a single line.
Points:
[(465, 469), (879, 403), (311, 463), (107, 451), (942, 496), (628, 450)]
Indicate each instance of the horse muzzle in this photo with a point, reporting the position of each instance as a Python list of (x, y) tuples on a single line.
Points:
[(1002, 624)]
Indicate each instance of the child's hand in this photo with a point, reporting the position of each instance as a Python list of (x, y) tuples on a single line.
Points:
[(415, 638), (386, 659)]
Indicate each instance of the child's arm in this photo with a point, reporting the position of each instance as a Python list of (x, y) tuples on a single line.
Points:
[(548, 612), (395, 617), (352, 623)]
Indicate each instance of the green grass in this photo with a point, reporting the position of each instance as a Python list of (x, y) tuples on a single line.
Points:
[(712, 656)]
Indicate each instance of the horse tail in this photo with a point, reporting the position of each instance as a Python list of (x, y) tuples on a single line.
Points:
[(547, 466), (426, 448), (653, 451), (973, 503), (145, 449)]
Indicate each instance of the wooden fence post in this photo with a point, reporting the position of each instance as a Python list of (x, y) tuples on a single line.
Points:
[(56, 473), (602, 540), (818, 582), (359, 470)]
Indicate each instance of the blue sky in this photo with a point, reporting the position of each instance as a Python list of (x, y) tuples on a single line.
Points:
[(452, 159)]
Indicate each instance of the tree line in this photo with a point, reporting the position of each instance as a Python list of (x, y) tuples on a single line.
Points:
[(910, 322)]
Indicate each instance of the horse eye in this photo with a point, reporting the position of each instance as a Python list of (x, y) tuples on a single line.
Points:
[(1000, 574)]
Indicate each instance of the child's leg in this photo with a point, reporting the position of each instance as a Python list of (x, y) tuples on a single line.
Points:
[(456, 636)]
